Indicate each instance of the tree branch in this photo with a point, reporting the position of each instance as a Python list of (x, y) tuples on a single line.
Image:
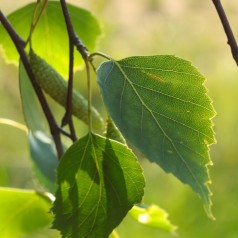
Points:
[(227, 28), (67, 119), (73, 41), (20, 44), (34, 21), (73, 36)]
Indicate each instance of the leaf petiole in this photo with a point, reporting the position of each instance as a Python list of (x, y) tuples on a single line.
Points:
[(89, 95), (34, 23), (87, 62), (90, 57)]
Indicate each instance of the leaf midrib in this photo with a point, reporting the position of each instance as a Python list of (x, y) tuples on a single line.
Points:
[(165, 134), (13, 215), (162, 70)]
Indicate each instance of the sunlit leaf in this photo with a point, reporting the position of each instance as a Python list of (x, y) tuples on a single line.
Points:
[(160, 104), (50, 39), (152, 216), (23, 212), (42, 149), (99, 182)]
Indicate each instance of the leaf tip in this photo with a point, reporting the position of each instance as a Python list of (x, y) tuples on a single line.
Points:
[(208, 210), (208, 203)]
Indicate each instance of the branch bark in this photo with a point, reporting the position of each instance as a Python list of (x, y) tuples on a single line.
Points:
[(20, 44), (73, 41), (227, 28), (67, 119)]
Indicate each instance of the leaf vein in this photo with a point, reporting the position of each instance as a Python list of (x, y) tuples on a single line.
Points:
[(173, 97), (161, 70), (183, 124), (126, 78)]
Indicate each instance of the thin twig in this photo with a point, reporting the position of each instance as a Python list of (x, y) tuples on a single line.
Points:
[(93, 66), (89, 95), (77, 42), (19, 44), (227, 28), (34, 21), (81, 47), (73, 41), (67, 119), (90, 57)]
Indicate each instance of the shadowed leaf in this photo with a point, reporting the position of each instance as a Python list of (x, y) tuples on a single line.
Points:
[(160, 105), (99, 182)]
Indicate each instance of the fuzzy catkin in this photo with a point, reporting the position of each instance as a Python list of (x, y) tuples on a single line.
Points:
[(56, 87)]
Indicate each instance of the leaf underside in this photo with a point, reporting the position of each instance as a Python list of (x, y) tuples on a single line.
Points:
[(160, 105), (99, 182), (42, 150)]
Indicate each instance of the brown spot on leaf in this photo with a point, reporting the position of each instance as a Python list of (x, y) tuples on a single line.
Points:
[(154, 76)]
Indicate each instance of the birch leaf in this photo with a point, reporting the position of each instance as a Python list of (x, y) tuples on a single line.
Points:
[(99, 182), (160, 105)]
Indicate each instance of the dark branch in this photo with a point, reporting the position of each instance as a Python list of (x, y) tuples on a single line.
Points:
[(227, 29), (19, 44), (73, 41), (67, 119), (73, 36), (81, 47)]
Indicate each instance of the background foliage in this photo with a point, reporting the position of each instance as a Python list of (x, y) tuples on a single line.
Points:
[(188, 29)]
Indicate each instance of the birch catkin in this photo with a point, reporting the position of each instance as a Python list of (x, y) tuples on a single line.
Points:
[(56, 87)]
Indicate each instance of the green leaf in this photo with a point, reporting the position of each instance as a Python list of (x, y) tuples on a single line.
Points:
[(112, 132), (160, 105), (43, 155), (50, 39), (42, 148), (152, 216), (99, 182), (31, 109), (23, 212)]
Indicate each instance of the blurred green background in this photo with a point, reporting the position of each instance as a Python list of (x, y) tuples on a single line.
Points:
[(188, 29)]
